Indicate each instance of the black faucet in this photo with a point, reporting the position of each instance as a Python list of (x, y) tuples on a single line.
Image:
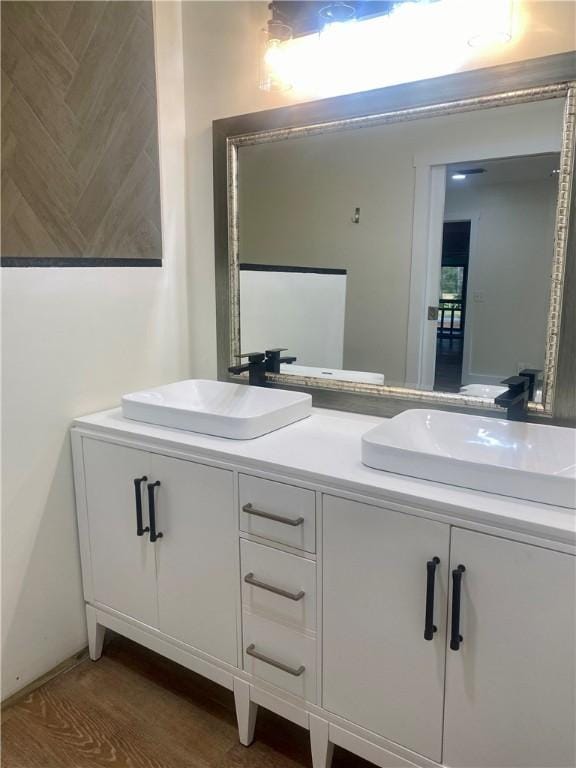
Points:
[(256, 367), (274, 361), (260, 363), (520, 391), (533, 376)]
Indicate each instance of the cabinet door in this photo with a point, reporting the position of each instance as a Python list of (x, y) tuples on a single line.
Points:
[(123, 563), (378, 670), (197, 556), (510, 687)]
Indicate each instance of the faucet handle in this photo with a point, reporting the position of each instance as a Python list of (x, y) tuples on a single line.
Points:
[(516, 382), (533, 376), (273, 359), (253, 357)]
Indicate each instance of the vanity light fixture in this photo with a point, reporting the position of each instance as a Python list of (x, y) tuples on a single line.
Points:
[(321, 48), (491, 23), (273, 73), (458, 176)]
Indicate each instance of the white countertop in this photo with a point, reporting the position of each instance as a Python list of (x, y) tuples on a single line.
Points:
[(325, 449)]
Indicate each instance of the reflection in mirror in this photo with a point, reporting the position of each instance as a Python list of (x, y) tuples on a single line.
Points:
[(497, 249), (306, 308), (410, 254)]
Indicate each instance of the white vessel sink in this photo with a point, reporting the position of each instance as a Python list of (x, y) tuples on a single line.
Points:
[(527, 461), (217, 408)]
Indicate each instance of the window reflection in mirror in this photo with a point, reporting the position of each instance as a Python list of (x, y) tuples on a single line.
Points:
[(414, 254)]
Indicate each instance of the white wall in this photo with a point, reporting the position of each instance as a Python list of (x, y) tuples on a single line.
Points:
[(75, 339), (508, 275), (301, 311), (221, 43)]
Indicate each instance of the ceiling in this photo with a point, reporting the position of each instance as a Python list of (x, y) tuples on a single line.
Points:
[(510, 169)]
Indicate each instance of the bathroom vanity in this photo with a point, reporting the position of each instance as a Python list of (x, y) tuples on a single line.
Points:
[(411, 622)]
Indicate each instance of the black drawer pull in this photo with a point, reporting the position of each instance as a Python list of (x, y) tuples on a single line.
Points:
[(455, 636), (152, 512), (429, 626), (140, 530)]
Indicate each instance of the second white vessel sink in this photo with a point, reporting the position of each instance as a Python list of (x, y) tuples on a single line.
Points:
[(527, 461), (217, 408)]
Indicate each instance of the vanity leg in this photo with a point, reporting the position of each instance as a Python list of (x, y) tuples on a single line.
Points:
[(322, 748), (246, 712), (96, 634)]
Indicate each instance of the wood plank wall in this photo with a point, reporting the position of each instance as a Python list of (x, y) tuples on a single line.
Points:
[(80, 177)]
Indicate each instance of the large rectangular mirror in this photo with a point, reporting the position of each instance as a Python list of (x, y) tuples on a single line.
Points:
[(418, 252)]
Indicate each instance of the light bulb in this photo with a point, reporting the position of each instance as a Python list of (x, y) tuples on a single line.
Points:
[(335, 19), (491, 23), (274, 70)]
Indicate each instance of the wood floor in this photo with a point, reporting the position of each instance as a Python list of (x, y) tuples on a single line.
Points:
[(136, 709), (448, 374)]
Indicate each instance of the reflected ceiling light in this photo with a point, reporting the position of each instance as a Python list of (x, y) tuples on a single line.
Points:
[(462, 173), (274, 66)]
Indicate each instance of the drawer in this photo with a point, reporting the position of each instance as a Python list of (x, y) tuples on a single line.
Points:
[(278, 586), (287, 658), (279, 512)]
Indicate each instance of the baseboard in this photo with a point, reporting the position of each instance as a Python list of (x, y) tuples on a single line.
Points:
[(59, 669)]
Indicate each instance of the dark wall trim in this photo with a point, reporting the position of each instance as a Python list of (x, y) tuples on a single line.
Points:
[(305, 270), (33, 261), (548, 70)]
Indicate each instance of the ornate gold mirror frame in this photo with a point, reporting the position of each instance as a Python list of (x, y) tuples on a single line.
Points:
[(230, 140)]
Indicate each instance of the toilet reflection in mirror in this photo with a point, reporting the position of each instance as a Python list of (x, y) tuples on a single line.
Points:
[(407, 254)]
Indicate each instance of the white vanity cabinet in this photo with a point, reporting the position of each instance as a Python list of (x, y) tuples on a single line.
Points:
[(325, 591), (510, 679), (119, 563), (184, 583), (378, 670), (511, 685)]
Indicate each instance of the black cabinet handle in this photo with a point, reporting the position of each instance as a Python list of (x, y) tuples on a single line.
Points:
[(429, 627), (140, 531), (455, 636), (152, 512)]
